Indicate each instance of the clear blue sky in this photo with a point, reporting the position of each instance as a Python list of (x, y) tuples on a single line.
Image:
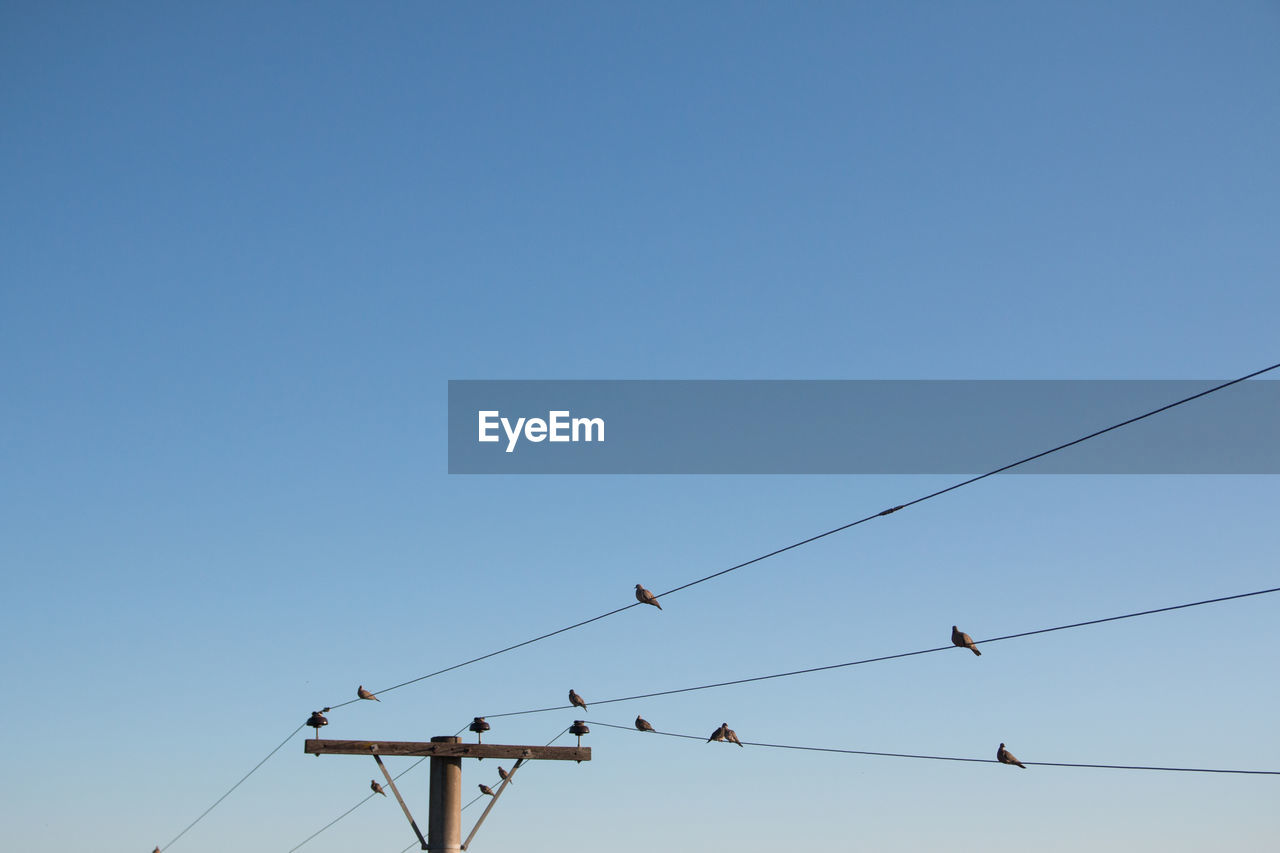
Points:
[(244, 247)]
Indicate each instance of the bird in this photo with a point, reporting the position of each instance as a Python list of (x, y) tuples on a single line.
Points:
[(365, 694), (963, 640), (157, 850), (376, 788), (732, 736), (575, 699), (645, 597), (503, 775), (485, 789), (643, 725), (1004, 756), (720, 733)]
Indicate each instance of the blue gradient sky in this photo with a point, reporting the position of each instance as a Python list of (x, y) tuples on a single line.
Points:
[(245, 247)]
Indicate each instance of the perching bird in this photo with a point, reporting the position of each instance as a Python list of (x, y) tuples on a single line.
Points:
[(376, 788), (732, 736), (365, 694), (643, 725), (1004, 756), (575, 699), (720, 733), (645, 597), (503, 775), (963, 640), (485, 789)]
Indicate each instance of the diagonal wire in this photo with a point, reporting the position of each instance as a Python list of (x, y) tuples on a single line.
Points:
[(952, 757), (835, 530), (894, 656)]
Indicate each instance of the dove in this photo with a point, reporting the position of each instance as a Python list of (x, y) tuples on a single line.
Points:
[(963, 640), (732, 736), (504, 775), (645, 597), (365, 694), (1004, 756), (376, 788), (575, 699), (485, 789), (720, 733), (643, 725)]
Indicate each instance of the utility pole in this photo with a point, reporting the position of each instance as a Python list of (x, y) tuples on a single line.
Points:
[(444, 818)]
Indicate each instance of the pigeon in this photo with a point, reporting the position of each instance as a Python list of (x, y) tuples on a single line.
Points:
[(1004, 756), (575, 699), (645, 597), (376, 788), (485, 789), (643, 725), (963, 640), (732, 736), (365, 694), (503, 775), (719, 734)]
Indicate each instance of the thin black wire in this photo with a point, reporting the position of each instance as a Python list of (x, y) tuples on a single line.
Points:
[(832, 531), (894, 656), (233, 787), (367, 798), (951, 757)]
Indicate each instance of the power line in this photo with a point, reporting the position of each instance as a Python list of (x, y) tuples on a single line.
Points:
[(952, 757), (233, 787), (893, 656), (833, 530), (742, 565)]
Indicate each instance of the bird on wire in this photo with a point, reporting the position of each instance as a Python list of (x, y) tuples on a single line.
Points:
[(485, 789), (963, 640), (376, 788), (643, 725), (1004, 756), (731, 736), (645, 597), (720, 733), (503, 775), (365, 694), (576, 700)]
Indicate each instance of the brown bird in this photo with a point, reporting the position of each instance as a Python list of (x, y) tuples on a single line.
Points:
[(643, 725), (719, 734), (485, 789), (365, 694), (504, 775), (645, 597), (963, 640), (732, 736), (1004, 756), (376, 788), (575, 699), (157, 850)]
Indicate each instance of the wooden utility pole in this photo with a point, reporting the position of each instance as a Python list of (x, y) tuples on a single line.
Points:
[(444, 819)]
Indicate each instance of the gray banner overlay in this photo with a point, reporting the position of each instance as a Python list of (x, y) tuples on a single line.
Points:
[(858, 426)]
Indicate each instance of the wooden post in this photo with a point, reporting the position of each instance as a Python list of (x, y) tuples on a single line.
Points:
[(444, 823)]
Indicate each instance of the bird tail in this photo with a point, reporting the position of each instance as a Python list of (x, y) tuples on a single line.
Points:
[(975, 651)]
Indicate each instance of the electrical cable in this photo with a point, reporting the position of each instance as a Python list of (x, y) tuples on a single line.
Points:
[(951, 757), (891, 657)]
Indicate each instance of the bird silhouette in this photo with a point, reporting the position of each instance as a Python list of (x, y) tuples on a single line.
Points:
[(485, 789), (575, 699), (732, 736), (365, 694), (643, 725), (963, 640), (645, 597), (720, 733), (1004, 756), (376, 788), (503, 775)]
